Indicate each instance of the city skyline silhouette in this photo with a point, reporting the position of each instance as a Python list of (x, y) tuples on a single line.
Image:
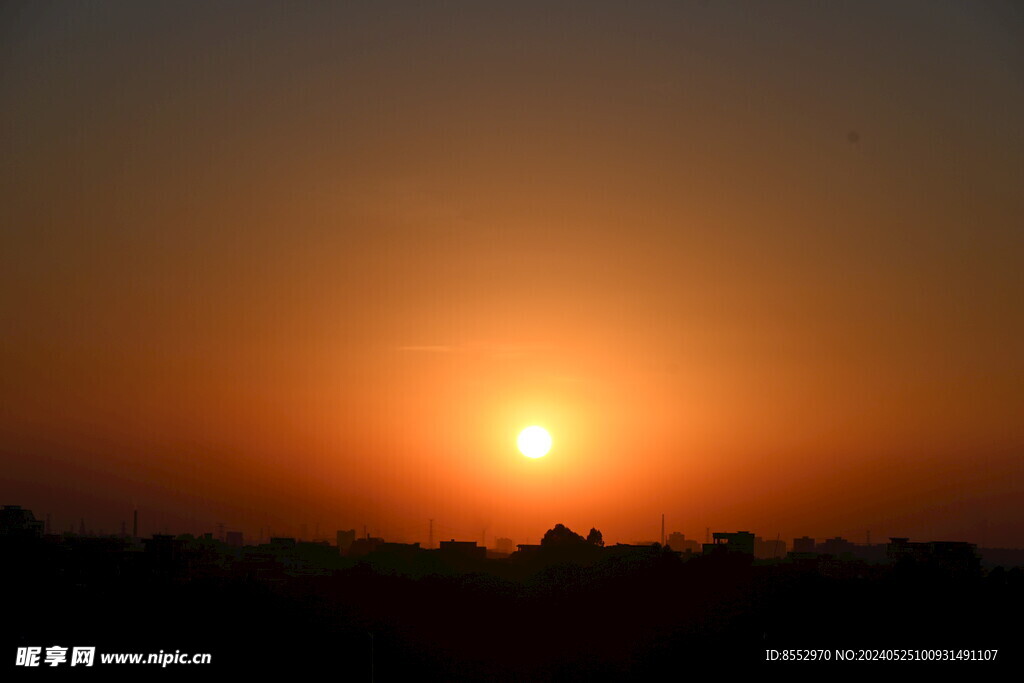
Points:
[(373, 604), (558, 312)]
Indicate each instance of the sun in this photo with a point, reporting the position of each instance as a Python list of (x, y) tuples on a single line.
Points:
[(534, 442)]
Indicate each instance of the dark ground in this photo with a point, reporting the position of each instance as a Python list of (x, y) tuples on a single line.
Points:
[(633, 618)]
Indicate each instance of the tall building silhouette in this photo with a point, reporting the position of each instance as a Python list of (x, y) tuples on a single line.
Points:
[(17, 521), (345, 539)]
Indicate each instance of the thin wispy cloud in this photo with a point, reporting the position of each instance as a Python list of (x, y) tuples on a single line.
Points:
[(495, 350)]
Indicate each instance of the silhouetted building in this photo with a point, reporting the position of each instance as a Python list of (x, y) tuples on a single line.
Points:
[(769, 550), (738, 542), (679, 543), (953, 557), (361, 547), (345, 540), (315, 557), (836, 546), (634, 549), (16, 521), (463, 549), (505, 546), (164, 555), (804, 544), (234, 539), (875, 554), (1005, 557), (403, 551), (526, 551), (260, 564)]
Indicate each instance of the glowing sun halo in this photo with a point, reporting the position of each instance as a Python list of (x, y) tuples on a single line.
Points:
[(534, 442)]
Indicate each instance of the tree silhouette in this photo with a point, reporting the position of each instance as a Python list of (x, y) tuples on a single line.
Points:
[(595, 538), (561, 536)]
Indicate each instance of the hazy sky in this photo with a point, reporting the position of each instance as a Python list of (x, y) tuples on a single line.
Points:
[(754, 265)]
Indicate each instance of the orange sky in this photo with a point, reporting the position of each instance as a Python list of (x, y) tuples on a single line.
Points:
[(755, 267)]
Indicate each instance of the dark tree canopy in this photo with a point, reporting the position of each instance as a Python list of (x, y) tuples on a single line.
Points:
[(595, 538), (561, 535)]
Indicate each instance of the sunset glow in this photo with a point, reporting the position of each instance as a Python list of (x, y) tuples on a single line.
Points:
[(531, 341), (276, 267)]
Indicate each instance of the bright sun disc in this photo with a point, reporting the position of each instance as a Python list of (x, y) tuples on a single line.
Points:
[(534, 442)]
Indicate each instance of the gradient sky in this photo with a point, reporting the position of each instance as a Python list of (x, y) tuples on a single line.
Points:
[(754, 265)]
